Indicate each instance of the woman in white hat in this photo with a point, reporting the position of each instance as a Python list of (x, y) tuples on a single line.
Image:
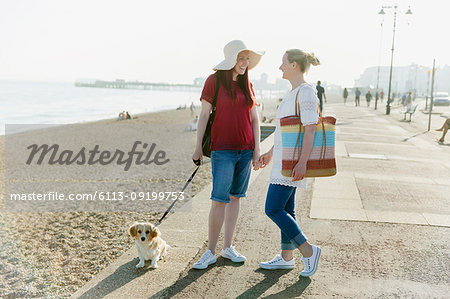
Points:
[(234, 144), (280, 201)]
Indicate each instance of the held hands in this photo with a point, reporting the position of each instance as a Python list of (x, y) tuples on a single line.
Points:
[(255, 160), (299, 172), (264, 159)]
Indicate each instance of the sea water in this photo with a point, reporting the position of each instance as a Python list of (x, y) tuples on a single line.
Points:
[(62, 103)]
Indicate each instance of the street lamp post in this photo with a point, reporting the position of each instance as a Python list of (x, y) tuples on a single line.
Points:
[(388, 105), (428, 84), (432, 96), (381, 13), (415, 83)]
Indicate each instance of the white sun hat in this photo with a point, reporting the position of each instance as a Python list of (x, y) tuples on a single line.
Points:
[(231, 52)]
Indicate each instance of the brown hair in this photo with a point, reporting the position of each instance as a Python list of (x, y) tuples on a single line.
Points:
[(303, 59), (225, 78)]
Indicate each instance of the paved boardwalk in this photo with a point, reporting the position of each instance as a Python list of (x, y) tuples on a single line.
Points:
[(388, 172), (384, 167)]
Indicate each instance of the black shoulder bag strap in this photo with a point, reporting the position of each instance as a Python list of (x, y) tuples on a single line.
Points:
[(213, 114)]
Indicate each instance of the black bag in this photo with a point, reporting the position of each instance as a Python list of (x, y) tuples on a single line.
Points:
[(206, 144)]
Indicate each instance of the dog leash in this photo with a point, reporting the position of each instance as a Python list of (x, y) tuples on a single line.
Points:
[(197, 162)]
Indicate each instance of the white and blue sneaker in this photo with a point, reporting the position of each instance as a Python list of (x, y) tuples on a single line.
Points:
[(278, 263), (232, 254), (311, 262), (207, 259)]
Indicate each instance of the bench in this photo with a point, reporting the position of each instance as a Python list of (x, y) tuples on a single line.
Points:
[(410, 111)]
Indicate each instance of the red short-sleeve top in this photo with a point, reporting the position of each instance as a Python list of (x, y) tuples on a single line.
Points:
[(232, 126)]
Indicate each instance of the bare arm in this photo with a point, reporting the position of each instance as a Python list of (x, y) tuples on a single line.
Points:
[(299, 170), (256, 136), (202, 122)]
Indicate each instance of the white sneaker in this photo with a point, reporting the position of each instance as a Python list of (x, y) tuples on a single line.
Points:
[(278, 263), (207, 259), (232, 254), (311, 263)]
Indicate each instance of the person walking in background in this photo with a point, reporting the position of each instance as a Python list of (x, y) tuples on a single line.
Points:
[(345, 95), (235, 144), (408, 101), (444, 128), (280, 201), (382, 96), (368, 98), (357, 95), (320, 94), (192, 108)]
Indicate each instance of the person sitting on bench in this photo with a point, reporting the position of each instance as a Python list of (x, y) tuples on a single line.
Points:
[(444, 128)]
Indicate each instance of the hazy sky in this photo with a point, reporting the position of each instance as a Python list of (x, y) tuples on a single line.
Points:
[(176, 41)]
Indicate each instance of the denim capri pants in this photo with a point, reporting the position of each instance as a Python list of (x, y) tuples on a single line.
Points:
[(280, 207), (231, 173)]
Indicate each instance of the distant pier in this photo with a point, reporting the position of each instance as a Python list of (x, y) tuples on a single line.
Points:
[(263, 90), (122, 84)]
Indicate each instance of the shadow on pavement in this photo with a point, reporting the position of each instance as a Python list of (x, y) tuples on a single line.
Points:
[(406, 139), (123, 275), (181, 283), (294, 290), (271, 278), (443, 144)]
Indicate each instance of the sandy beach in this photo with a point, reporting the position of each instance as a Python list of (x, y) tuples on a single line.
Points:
[(52, 254)]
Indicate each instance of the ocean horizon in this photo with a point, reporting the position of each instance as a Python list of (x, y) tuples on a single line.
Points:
[(29, 102)]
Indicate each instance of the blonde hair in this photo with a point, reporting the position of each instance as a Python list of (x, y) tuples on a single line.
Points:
[(303, 59)]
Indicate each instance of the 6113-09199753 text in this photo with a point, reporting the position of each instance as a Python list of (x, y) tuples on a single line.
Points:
[(99, 195)]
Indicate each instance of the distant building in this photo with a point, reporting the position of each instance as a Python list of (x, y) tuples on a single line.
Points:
[(259, 84), (405, 78), (333, 88), (200, 81), (282, 84), (264, 78)]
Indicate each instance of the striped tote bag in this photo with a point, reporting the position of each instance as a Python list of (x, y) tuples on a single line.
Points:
[(322, 161)]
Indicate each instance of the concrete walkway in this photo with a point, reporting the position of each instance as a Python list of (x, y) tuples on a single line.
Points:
[(386, 171), (372, 221)]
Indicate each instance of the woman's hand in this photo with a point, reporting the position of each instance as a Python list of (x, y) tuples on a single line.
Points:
[(299, 172), (265, 159), (255, 159), (198, 156)]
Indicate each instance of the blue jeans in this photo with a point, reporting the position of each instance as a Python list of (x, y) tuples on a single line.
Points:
[(280, 207), (231, 173)]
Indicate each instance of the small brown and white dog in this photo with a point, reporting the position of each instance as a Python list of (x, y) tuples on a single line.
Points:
[(148, 242)]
